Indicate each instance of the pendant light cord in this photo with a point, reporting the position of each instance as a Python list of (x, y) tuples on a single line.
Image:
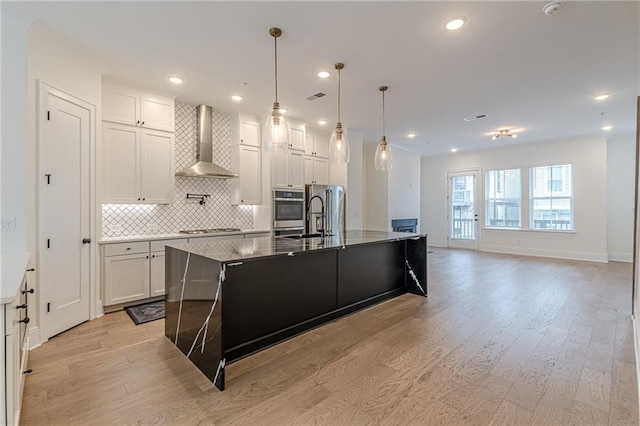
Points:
[(338, 95), (275, 45), (383, 132)]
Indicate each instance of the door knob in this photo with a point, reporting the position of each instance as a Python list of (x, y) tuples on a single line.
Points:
[(86, 240)]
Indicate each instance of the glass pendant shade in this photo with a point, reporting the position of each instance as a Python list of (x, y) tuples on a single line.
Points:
[(277, 132), (339, 151), (383, 159)]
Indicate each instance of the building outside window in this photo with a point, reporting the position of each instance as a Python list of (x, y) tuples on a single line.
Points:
[(552, 197), (503, 199)]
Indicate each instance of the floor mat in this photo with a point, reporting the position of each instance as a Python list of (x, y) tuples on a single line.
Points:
[(146, 312)]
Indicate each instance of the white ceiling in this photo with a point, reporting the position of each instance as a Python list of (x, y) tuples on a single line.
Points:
[(510, 61)]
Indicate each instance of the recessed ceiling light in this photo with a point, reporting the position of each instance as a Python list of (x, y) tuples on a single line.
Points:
[(454, 149), (175, 80), (283, 110), (236, 98), (322, 122), (324, 74), (607, 127), (601, 97), (455, 23), (411, 135)]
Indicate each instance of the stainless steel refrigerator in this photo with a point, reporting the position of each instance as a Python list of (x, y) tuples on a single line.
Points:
[(334, 200)]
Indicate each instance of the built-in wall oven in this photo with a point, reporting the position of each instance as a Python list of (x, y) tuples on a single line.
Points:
[(288, 212)]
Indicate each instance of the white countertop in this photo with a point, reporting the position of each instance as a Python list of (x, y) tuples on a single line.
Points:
[(13, 266), (154, 237)]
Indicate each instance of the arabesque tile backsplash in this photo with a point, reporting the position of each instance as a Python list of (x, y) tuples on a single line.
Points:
[(143, 219)]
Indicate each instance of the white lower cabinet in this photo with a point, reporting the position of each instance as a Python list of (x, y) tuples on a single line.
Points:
[(126, 278), (134, 271)]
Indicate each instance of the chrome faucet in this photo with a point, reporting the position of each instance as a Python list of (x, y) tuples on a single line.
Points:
[(323, 217)]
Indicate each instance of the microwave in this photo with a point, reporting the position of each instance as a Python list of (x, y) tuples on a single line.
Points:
[(288, 209)]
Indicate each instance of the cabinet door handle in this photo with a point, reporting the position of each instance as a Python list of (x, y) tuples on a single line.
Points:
[(29, 371), (138, 198), (153, 256), (28, 291), (143, 199), (138, 122), (86, 240), (128, 248), (147, 257), (143, 123), (23, 306), (25, 320)]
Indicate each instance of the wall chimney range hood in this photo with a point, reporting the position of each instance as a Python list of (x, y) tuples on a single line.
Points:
[(204, 166)]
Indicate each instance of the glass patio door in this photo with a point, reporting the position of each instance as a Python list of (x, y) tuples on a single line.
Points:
[(463, 209)]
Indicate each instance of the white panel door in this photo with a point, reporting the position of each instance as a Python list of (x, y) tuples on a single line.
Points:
[(121, 162), (64, 211), (157, 274), (279, 170), (250, 175), (249, 132), (296, 169), (321, 147), (157, 112), (464, 206), (321, 171), (308, 169), (126, 278), (120, 104), (157, 174), (296, 137), (308, 145)]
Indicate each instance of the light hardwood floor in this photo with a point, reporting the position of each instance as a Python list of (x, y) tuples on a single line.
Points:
[(500, 340)]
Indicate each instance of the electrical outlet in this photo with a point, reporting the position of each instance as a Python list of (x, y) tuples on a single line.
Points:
[(8, 225), (116, 229), (152, 227)]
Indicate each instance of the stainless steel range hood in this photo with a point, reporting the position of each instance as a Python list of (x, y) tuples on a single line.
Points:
[(204, 166)]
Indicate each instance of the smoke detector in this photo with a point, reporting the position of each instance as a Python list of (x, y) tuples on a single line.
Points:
[(551, 8)]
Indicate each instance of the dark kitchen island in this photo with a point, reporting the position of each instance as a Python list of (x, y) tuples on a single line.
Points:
[(228, 299)]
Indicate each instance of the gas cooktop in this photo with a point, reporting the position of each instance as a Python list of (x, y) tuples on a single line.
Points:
[(209, 231)]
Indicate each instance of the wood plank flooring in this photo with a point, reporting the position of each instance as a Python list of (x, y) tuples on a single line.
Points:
[(501, 340)]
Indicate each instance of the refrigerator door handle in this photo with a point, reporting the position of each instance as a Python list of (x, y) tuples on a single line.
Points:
[(329, 210)]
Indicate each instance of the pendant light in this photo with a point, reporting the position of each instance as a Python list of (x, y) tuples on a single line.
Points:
[(339, 144), (383, 160), (275, 124)]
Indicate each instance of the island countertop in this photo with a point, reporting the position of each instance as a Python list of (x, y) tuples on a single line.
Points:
[(253, 248)]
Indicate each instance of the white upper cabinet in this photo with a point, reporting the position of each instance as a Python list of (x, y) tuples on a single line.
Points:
[(246, 160), (296, 135), (287, 169), (317, 146), (246, 131), (135, 107), (316, 170), (138, 165)]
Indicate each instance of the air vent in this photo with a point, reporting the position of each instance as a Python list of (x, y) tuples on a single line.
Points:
[(475, 117), (315, 96)]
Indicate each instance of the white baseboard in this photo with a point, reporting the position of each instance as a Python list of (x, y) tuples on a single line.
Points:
[(436, 243), (621, 257), (99, 309), (558, 254), (636, 340), (34, 337)]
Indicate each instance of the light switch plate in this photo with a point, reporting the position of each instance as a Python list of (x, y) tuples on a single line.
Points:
[(8, 225)]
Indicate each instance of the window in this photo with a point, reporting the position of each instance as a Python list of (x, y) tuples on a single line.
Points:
[(552, 198), (502, 199)]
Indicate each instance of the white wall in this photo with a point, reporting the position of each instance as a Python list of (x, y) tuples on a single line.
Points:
[(621, 151), (54, 60), (376, 196), (14, 133), (404, 186), (589, 159), (355, 180)]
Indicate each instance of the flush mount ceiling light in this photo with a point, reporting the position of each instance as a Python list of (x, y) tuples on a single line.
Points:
[(504, 132), (324, 74), (278, 133), (236, 98), (383, 160), (454, 150), (455, 23), (322, 122), (339, 151), (411, 135), (601, 97), (607, 127), (175, 80)]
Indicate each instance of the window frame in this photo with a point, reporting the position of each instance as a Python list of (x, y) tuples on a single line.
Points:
[(572, 225), (503, 184)]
